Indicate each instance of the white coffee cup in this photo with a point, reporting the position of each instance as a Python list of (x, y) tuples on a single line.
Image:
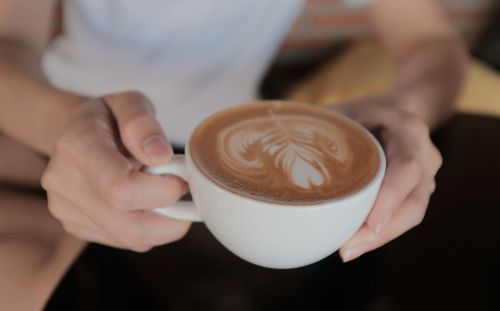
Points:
[(266, 234)]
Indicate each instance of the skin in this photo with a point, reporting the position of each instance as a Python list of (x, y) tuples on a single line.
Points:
[(103, 197), (430, 59), (35, 251)]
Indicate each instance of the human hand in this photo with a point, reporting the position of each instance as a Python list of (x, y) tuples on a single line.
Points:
[(412, 163), (94, 183)]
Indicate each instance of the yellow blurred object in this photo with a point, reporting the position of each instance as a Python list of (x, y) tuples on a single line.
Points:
[(365, 70), (482, 91)]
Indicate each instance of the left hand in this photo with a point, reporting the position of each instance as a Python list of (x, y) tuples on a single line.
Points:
[(412, 163)]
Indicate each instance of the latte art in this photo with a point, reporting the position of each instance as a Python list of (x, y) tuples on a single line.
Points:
[(284, 153), (298, 147)]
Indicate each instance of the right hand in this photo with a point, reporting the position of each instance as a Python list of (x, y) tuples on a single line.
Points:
[(94, 183)]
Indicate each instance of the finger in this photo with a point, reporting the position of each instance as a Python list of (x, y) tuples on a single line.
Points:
[(408, 216), (435, 161), (85, 234), (64, 210), (140, 132), (140, 231), (113, 177), (143, 191), (72, 216), (402, 176), (118, 185)]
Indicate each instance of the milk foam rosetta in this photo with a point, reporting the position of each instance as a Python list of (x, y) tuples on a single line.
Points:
[(284, 153), (299, 148)]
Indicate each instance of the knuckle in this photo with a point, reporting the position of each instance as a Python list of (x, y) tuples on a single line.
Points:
[(48, 179), (136, 98), (418, 216), (140, 121), (432, 187), (117, 194), (438, 158)]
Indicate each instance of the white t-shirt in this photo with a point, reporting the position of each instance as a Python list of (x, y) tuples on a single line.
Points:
[(191, 58)]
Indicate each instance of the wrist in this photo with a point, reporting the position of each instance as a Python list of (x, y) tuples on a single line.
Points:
[(423, 100), (32, 111), (411, 99), (57, 118), (429, 80)]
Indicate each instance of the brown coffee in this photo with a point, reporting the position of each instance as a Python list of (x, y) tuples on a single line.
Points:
[(285, 153)]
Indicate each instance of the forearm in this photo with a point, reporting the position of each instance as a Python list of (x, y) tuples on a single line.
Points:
[(32, 111), (429, 79)]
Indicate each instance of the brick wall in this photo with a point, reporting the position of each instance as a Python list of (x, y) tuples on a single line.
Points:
[(325, 21)]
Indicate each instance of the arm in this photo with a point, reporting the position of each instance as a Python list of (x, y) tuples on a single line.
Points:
[(96, 145), (430, 60), (31, 110), (429, 55)]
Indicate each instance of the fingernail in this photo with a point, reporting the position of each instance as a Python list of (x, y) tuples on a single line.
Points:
[(354, 252), (157, 148), (383, 222)]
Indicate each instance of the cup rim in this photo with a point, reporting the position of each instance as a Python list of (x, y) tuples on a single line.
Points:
[(380, 172)]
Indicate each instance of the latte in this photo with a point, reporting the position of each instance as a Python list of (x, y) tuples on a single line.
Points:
[(284, 153)]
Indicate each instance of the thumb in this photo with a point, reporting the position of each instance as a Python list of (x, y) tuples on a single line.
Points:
[(139, 130)]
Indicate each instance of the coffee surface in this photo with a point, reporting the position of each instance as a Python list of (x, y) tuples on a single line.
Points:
[(284, 152)]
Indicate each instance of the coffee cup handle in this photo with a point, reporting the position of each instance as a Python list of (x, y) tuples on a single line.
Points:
[(183, 210)]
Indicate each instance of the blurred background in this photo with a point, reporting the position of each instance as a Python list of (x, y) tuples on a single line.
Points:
[(360, 67)]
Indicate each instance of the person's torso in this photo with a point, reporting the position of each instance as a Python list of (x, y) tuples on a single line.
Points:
[(191, 58)]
